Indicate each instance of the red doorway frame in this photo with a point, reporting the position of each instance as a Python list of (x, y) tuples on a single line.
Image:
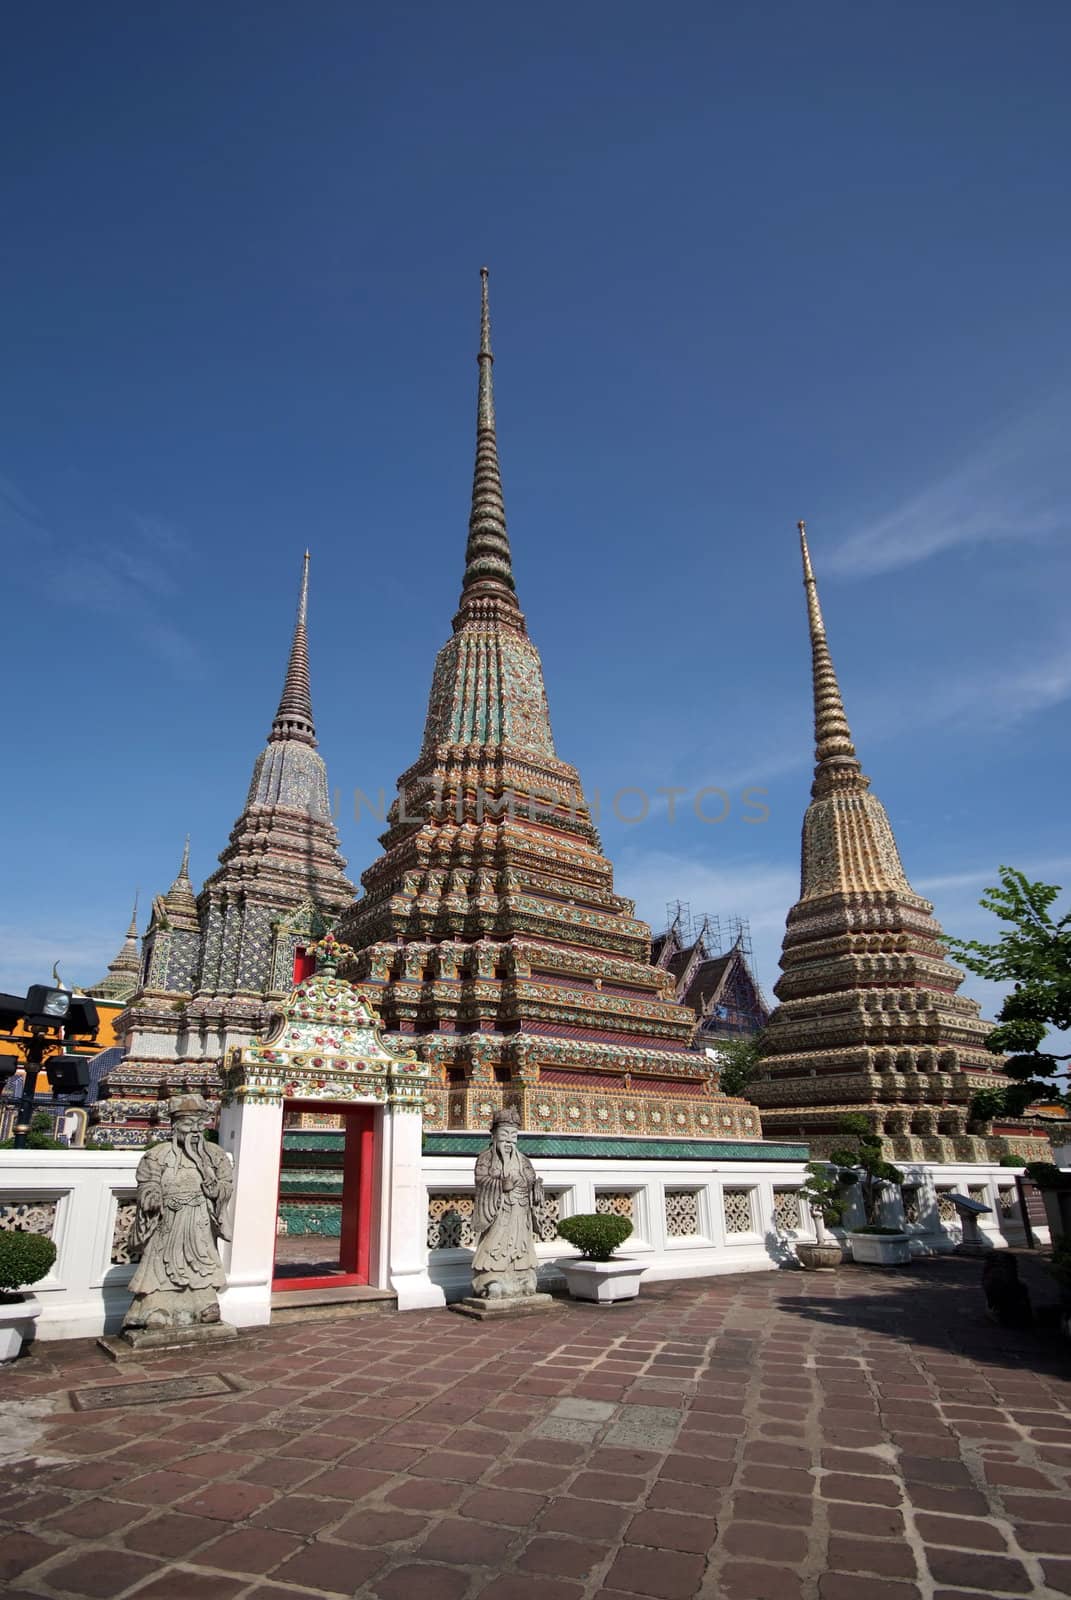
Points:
[(358, 1171)]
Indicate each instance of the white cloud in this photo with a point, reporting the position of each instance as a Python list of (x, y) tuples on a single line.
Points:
[(980, 878), (1013, 488)]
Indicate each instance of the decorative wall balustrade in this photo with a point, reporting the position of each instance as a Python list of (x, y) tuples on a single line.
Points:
[(682, 1213), (450, 1222), (26, 1216), (83, 1200), (125, 1212), (736, 1207), (689, 1218)]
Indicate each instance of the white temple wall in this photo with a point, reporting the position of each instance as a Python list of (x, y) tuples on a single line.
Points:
[(691, 1219), (84, 1200)]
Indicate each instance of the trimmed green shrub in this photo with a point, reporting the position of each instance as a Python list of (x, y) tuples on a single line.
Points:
[(596, 1237), (1011, 1161), (25, 1258)]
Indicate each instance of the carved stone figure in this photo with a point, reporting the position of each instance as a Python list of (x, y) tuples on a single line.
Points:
[(184, 1191), (508, 1192)]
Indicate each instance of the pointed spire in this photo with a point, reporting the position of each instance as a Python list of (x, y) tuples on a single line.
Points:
[(293, 720), (488, 565), (179, 903), (124, 970), (837, 765)]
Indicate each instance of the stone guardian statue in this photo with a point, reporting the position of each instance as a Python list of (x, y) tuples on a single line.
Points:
[(508, 1194), (184, 1192)]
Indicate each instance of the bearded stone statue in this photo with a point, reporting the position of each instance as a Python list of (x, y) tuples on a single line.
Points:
[(508, 1193), (184, 1191)]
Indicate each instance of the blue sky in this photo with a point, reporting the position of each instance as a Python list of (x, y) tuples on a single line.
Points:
[(748, 264)]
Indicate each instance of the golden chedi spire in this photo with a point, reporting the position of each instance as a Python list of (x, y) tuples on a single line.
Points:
[(848, 842), (836, 762), (869, 1017)]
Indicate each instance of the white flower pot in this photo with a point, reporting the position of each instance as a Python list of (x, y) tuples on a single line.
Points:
[(17, 1318), (881, 1249), (604, 1281)]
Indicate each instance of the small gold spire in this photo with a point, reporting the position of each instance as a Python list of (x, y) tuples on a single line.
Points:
[(836, 763)]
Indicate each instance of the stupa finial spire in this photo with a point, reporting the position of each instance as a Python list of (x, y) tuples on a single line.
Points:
[(293, 720), (184, 865), (488, 564), (132, 931), (836, 763)]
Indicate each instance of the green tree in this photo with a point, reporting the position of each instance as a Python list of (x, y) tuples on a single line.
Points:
[(1033, 954), (738, 1063), (826, 1194), (863, 1158)]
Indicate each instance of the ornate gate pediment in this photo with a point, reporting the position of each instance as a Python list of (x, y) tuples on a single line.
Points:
[(326, 1044)]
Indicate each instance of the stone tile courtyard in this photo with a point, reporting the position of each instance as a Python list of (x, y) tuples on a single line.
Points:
[(860, 1436)]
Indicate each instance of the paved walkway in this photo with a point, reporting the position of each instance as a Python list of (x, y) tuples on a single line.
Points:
[(864, 1436)]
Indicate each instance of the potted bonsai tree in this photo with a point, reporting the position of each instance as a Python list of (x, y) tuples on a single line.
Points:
[(824, 1192), (873, 1243), (25, 1258), (599, 1275)]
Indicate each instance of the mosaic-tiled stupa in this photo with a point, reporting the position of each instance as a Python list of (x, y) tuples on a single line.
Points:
[(215, 965), (489, 931), (869, 1017)]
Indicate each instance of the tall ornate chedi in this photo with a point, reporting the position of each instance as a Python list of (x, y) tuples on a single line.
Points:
[(215, 965), (869, 1016), (489, 932)]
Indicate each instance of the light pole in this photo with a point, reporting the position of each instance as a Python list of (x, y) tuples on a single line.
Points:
[(51, 1016)]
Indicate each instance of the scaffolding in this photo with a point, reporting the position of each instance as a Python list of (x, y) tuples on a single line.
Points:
[(717, 934)]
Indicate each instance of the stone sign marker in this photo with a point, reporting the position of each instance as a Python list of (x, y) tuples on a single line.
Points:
[(107, 1396)]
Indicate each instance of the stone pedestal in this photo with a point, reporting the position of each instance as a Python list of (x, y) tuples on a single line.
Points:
[(509, 1305), (156, 1341)]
